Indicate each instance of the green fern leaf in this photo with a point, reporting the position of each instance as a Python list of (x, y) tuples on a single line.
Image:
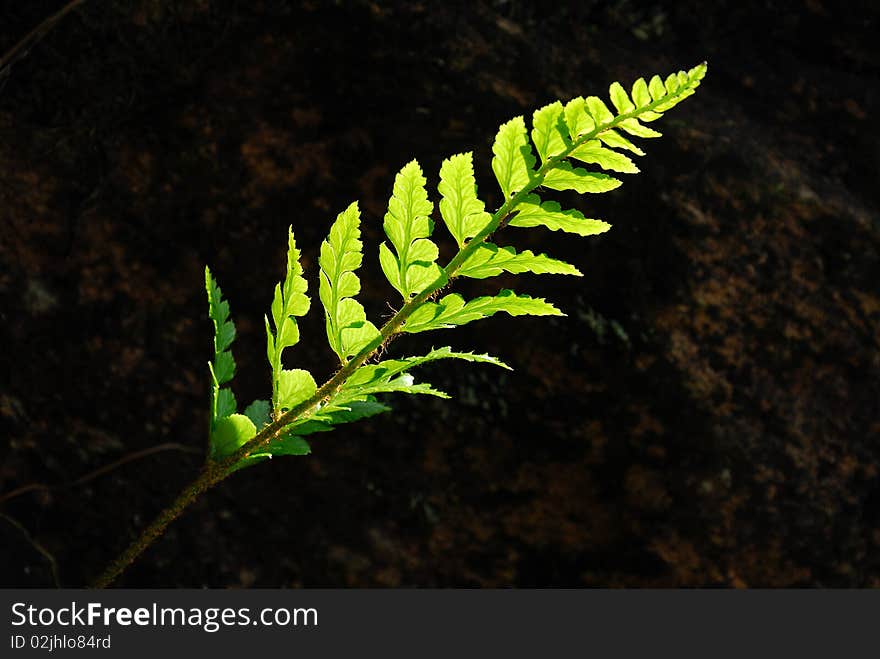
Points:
[(619, 98), (408, 226), (288, 444), (592, 152), (226, 403), (640, 94), (490, 260), (513, 162), (348, 329), (337, 413), (259, 413), (385, 370), (294, 386), (392, 376), (657, 89), (566, 177), (615, 140), (549, 131), (583, 129), (463, 213), (404, 383), (230, 432), (290, 300), (633, 127), (532, 213), (576, 118), (224, 330), (222, 366), (452, 310), (599, 111)]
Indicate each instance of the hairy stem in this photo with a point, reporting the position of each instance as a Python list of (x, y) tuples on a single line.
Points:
[(206, 480), (216, 471)]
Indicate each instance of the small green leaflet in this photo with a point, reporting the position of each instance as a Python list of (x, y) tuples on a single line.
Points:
[(566, 177), (408, 225), (532, 213), (576, 118), (452, 310), (372, 373), (294, 386), (514, 162), (226, 403), (640, 93), (656, 88), (341, 409), (348, 329), (633, 127), (290, 300), (393, 375), (258, 412), (549, 132), (230, 433), (592, 152), (463, 213), (619, 98), (599, 111), (490, 260), (286, 444), (224, 330), (615, 140), (222, 367)]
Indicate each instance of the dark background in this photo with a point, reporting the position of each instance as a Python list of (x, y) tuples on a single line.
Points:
[(707, 414)]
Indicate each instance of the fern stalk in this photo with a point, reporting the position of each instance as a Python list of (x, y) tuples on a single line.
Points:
[(216, 469)]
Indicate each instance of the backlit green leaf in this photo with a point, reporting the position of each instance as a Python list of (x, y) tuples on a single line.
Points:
[(592, 152), (620, 99), (566, 177), (463, 213), (258, 412), (514, 162), (532, 213), (348, 329), (549, 132), (577, 119), (290, 300), (294, 386), (490, 260), (230, 433), (408, 226), (452, 310)]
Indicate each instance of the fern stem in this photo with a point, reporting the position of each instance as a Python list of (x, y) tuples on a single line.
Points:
[(216, 471), (209, 477)]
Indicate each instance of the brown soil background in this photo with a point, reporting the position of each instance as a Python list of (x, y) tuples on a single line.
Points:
[(707, 414)]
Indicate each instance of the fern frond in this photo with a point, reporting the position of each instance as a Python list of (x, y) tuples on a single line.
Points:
[(584, 130), (348, 329)]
